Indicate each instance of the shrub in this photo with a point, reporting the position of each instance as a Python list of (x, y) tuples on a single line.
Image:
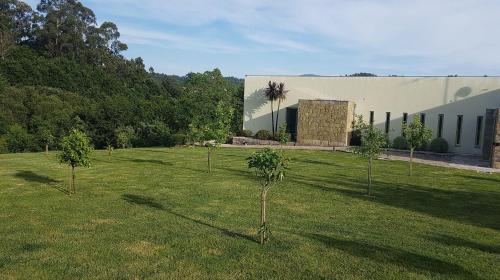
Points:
[(152, 134), (439, 145), (19, 140), (246, 133), (263, 134), (3, 145), (400, 143), (423, 147), (178, 139)]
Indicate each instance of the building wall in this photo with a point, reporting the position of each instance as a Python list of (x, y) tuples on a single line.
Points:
[(451, 96)]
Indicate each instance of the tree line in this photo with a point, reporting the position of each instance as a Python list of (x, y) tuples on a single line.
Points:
[(60, 70)]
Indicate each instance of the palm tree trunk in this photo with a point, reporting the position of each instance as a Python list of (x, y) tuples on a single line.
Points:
[(411, 160), (278, 114), (263, 233), (369, 175), (272, 117)]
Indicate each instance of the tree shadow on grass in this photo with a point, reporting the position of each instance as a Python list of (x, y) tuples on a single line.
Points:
[(152, 203), (139, 160), (143, 200), (477, 208), (383, 255), (459, 242), (31, 176), (35, 178), (494, 180)]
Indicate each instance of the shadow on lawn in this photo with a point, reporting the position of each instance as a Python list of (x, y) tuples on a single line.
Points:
[(382, 254), (459, 242), (472, 207), (139, 160), (152, 203), (31, 176)]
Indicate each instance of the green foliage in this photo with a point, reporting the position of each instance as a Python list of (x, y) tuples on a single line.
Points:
[(152, 134), (269, 166), (246, 133), (283, 136), (400, 143), (213, 131), (416, 133), (263, 134), (75, 149), (59, 51), (19, 140), (373, 140), (439, 145), (124, 136), (178, 139)]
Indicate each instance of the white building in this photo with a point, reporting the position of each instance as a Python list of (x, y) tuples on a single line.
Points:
[(454, 108)]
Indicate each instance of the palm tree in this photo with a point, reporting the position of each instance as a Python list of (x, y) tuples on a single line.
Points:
[(271, 94), (280, 95)]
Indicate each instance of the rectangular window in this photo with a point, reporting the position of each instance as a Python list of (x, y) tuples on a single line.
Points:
[(440, 125), (387, 122), (479, 128), (422, 118), (458, 138), (372, 117), (404, 122)]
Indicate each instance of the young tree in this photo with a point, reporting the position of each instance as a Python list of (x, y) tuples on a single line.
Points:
[(212, 132), (283, 137), (416, 134), (46, 138), (373, 142), (271, 94), (76, 150), (280, 96), (269, 166), (124, 136)]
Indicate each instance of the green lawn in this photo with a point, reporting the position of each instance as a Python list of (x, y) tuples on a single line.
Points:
[(156, 213)]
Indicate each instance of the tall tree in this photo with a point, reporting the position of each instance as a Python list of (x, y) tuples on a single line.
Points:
[(16, 24), (271, 93), (373, 142), (281, 93), (75, 151), (416, 134), (269, 166)]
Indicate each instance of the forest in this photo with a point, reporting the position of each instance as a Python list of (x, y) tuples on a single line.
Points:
[(60, 70)]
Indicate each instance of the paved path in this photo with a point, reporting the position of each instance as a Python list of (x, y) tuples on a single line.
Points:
[(448, 160)]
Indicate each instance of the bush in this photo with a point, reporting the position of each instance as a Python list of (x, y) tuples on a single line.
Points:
[(3, 145), (152, 134), (178, 139), (263, 134), (439, 145), (400, 143), (423, 147), (245, 133), (19, 140)]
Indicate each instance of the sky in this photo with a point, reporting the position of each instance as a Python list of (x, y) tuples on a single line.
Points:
[(292, 37)]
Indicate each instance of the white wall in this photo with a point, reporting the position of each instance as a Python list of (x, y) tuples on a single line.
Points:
[(451, 96)]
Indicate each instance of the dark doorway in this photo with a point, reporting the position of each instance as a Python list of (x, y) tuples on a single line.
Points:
[(488, 134), (291, 122)]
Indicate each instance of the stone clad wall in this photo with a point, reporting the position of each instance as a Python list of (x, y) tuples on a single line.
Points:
[(495, 157), (324, 122)]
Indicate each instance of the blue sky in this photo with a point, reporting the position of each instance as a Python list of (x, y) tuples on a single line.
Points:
[(315, 36)]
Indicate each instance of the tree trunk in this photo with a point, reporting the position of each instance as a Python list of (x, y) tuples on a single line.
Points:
[(46, 149), (263, 233), (411, 161), (73, 179), (278, 114), (209, 161), (272, 117), (369, 175)]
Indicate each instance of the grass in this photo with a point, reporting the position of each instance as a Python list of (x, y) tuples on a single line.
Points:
[(156, 213)]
